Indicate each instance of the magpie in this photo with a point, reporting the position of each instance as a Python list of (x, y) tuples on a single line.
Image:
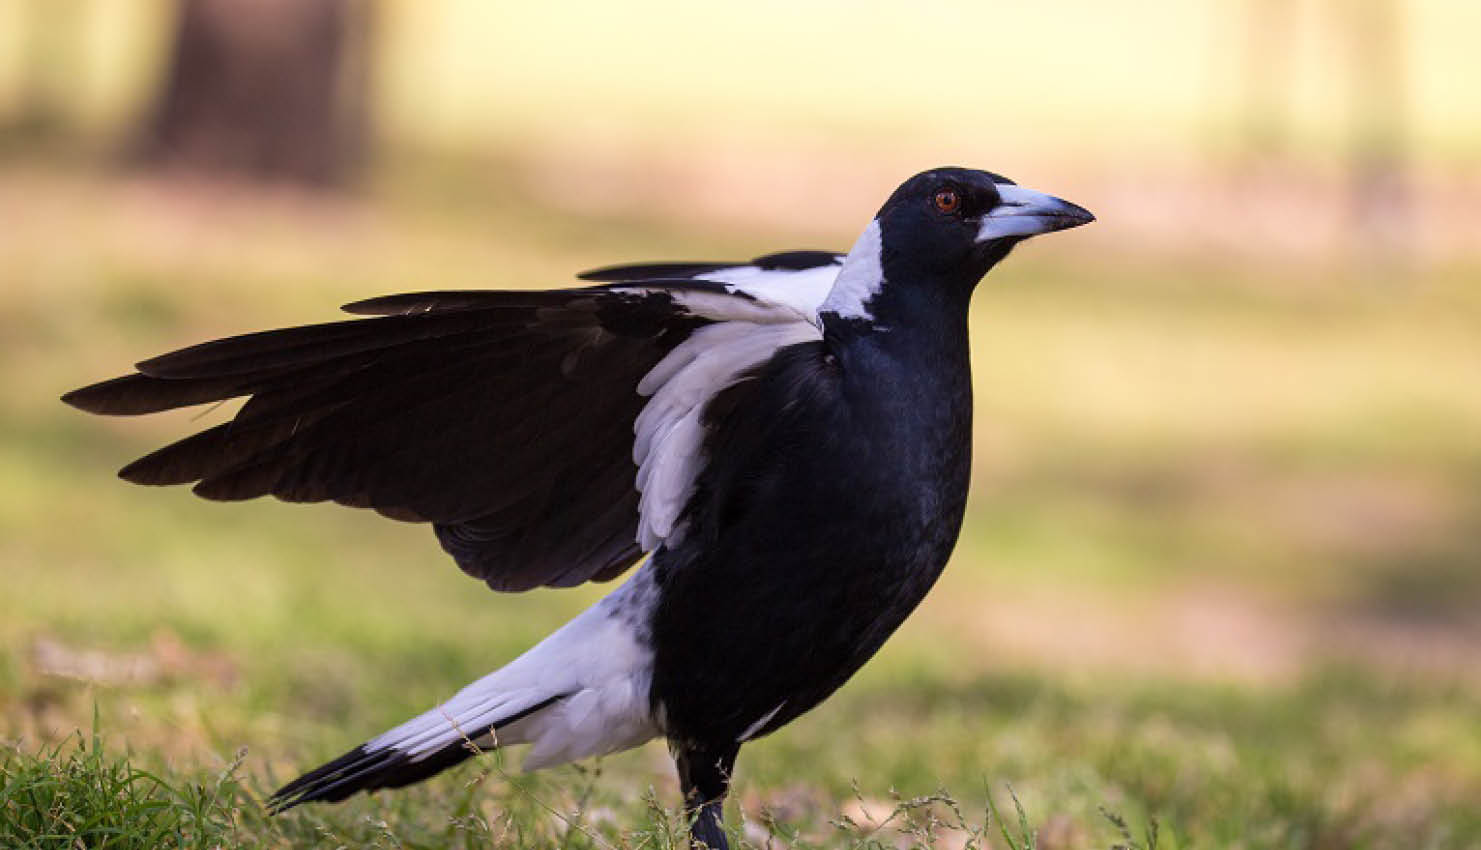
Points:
[(787, 439)]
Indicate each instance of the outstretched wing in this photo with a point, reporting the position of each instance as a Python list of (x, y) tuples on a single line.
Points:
[(506, 419)]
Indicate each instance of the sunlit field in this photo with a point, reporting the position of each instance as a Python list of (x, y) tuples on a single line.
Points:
[(1219, 573)]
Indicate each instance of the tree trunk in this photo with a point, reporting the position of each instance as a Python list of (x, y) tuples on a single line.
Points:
[(266, 89)]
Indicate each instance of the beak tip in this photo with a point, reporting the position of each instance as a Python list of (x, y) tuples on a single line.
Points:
[(1025, 213), (1078, 215)]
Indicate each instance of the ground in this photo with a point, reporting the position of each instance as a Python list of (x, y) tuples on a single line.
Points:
[(1220, 570)]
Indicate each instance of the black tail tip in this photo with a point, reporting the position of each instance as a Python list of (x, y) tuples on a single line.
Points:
[(277, 805), (361, 769), (331, 782)]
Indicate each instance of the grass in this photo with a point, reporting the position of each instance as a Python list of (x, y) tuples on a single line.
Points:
[(73, 794), (1219, 571), (76, 794), (1093, 766)]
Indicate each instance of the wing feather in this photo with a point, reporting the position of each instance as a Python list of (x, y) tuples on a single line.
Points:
[(505, 419)]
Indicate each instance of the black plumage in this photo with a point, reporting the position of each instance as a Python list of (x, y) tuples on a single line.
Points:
[(390, 413), (784, 456)]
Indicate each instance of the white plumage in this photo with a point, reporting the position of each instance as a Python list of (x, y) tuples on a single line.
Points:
[(669, 437), (860, 279), (597, 668)]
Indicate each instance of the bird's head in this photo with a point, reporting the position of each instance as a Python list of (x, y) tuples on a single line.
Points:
[(944, 228), (958, 221)]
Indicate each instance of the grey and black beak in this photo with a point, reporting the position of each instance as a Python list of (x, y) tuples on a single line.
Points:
[(1024, 212)]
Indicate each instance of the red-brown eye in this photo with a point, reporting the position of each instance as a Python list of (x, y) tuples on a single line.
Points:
[(948, 201)]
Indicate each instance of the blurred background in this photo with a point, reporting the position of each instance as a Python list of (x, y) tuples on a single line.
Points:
[(1222, 564)]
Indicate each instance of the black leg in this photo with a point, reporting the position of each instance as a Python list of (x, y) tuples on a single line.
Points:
[(704, 776)]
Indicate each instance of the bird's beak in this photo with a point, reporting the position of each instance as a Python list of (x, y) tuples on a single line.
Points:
[(1024, 212)]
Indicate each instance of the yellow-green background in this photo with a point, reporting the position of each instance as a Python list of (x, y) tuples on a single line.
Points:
[(1222, 564)]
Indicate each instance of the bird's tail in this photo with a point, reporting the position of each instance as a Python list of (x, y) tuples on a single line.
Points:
[(411, 752), (581, 692)]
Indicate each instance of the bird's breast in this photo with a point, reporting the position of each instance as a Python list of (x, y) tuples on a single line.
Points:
[(831, 498)]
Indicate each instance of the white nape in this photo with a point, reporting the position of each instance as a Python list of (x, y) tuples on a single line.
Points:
[(860, 279)]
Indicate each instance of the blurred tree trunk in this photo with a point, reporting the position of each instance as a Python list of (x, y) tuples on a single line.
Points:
[(267, 89)]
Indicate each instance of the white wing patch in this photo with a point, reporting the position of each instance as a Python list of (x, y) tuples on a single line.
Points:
[(760, 311), (754, 294), (669, 437), (798, 292)]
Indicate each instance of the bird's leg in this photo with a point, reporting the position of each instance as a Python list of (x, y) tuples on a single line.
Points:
[(704, 776)]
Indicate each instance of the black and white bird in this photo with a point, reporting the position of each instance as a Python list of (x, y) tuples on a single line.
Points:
[(788, 439)]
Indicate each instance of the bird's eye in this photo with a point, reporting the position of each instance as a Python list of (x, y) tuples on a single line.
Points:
[(947, 201)]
